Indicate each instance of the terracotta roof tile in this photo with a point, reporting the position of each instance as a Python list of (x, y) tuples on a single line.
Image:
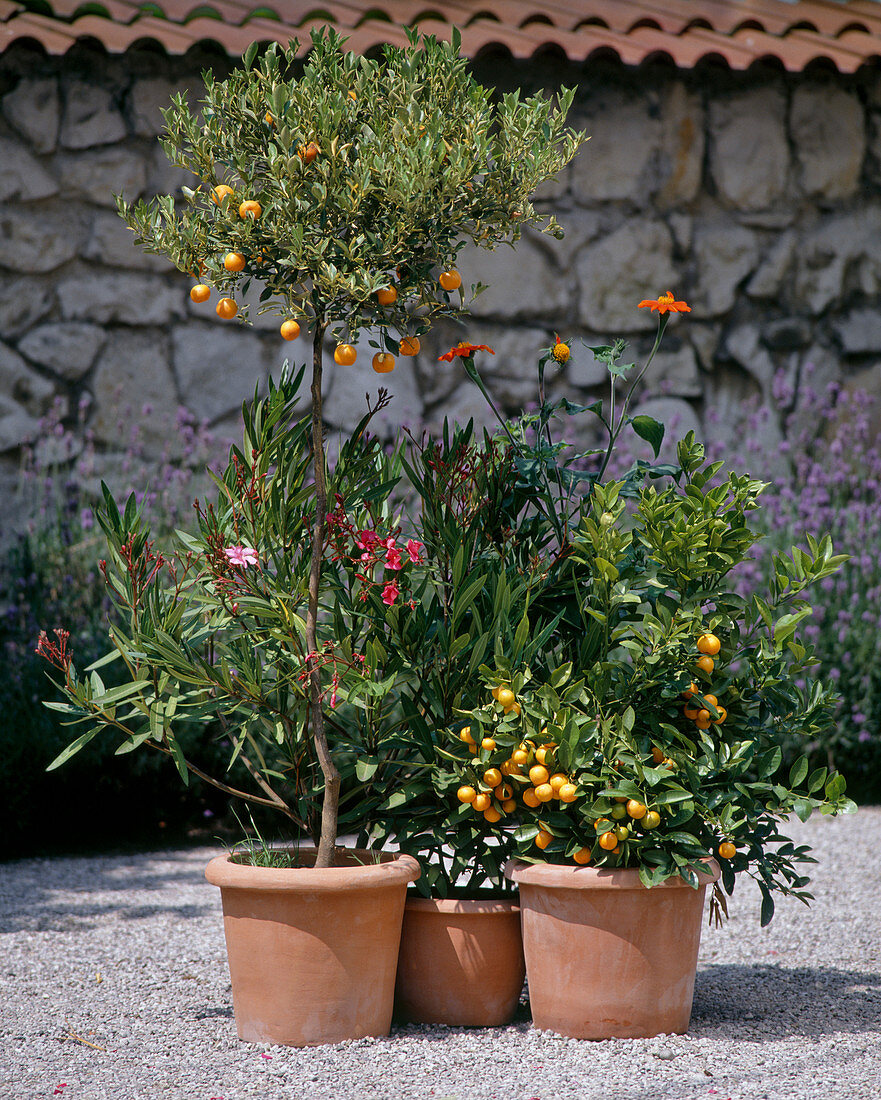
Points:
[(846, 33)]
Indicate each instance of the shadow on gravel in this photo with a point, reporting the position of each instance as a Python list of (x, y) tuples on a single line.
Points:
[(73, 894), (759, 1003)]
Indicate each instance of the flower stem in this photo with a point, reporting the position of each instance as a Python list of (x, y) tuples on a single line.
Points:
[(330, 805)]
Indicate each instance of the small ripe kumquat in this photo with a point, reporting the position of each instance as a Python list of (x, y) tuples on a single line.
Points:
[(492, 777), (568, 792), (705, 664), (691, 713), (200, 292), (466, 794), (383, 363), (482, 802), (651, 820), (226, 308), (520, 756), (544, 792), (723, 714), (488, 743), (450, 280), (692, 690), (582, 856), (345, 355), (220, 192), (509, 805), (387, 296), (289, 330), (410, 345), (657, 754), (727, 850), (492, 815), (636, 809), (506, 697), (608, 841), (309, 152), (708, 644), (530, 800), (538, 774), (543, 839), (250, 208), (465, 735), (234, 261)]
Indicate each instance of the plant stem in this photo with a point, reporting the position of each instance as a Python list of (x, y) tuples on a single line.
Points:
[(330, 805)]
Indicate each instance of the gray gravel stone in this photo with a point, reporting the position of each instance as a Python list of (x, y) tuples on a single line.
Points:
[(113, 983)]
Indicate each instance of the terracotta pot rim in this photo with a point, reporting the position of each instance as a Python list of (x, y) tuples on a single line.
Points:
[(396, 868), (464, 906), (596, 878)]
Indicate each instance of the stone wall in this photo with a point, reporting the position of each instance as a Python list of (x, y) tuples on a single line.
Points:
[(755, 196)]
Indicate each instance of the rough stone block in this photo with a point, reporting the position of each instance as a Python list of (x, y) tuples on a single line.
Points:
[(675, 373), (829, 131), (584, 370), (617, 162), (22, 384), (522, 282), (217, 366), (743, 345), (39, 240), (16, 426), (860, 331), (767, 282), (844, 243), (100, 174), (33, 108), (677, 416), (749, 153), (681, 146), (111, 242), (90, 117), (146, 99), (22, 177), (126, 298), (23, 302), (617, 272), (135, 394), (164, 178), (67, 349), (725, 253)]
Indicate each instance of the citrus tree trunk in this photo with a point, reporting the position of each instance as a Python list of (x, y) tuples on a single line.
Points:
[(330, 806)]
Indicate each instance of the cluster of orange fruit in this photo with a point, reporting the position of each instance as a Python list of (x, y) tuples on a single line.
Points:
[(344, 354), (708, 646)]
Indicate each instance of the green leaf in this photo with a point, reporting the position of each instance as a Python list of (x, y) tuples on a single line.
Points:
[(649, 429), (798, 771)]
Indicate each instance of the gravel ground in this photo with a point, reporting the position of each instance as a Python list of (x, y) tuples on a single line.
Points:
[(113, 986)]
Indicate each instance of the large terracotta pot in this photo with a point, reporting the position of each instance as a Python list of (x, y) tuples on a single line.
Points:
[(461, 962), (313, 951), (606, 957)]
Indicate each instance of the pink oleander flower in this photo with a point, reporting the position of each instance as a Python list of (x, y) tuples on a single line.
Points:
[(241, 555), (393, 559), (390, 593), (367, 540), (414, 549)]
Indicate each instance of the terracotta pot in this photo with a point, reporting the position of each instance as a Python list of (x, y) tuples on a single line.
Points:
[(606, 957), (313, 952), (461, 962)]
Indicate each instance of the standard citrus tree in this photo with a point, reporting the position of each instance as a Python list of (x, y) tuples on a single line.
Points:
[(345, 193)]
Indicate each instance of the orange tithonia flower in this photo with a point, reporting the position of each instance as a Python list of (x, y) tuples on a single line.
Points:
[(665, 304), (464, 351)]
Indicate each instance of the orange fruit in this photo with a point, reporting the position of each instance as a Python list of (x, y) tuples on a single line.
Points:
[(309, 152), (220, 192), (450, 280), (492, 777), (657, 754), (557, 780), (492, 815), (488, 743), (520, 756), (383, 363), (618, 813), (269, 120), (543, 839), (705, 664), (727, 850), (387, 296), (289, 330), (466, 794), (509, 805), (538, 774), (621, 832), (693, 690), (234, 261), (651, 820), (711, 699), (226, 308), (568, 792), (709, 644), (608, 841), (582, 856), (703, 719), (723, 714), (506, 697), (530, 800), (600, 821), (503, 792), (200, 292), (482, 802), (544, 792), (250, 208), (465, 735), (410, 345), (691, 713), (636, 809), (514, 708), (345, 355)]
